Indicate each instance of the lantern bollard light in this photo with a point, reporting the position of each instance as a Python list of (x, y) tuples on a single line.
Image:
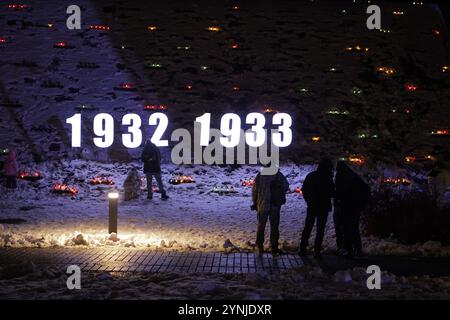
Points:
[(113, 204)]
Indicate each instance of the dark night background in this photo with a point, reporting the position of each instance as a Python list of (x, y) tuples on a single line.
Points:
[(384, 110)]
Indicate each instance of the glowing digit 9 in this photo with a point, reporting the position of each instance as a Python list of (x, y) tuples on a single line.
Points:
[(104, 130), (230, 126)]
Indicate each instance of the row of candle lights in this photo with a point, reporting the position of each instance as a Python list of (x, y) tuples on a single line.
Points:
[(62, 188)]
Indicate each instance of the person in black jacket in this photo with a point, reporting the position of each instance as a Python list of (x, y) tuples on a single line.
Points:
[(352, 196), (317, 189), (152, 168)]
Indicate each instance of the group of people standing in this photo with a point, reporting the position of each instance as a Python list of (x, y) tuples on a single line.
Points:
[(347, 190)]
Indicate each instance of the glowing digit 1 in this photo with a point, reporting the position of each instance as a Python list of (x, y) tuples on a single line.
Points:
[(284, 121), (205, 125), (133, 138), (75, 123), (104, 130), (161, 120)]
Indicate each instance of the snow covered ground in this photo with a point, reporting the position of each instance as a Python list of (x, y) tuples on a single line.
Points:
[(194, 218), (301, 283)]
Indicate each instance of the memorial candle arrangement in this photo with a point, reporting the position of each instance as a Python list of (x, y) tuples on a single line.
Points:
[(247, 182), (154, 107), (61, 188), (181, 179), (30, 176), (397, 181), (99, 27), (101, 180)]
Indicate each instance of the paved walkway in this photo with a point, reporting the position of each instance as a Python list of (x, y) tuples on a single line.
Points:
[(145, 260), (138, 260)]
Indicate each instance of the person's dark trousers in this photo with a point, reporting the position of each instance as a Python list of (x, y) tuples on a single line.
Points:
[(11, 182), (158, 181), (273, 216), (352, 237), (313, 214), (338, 220)]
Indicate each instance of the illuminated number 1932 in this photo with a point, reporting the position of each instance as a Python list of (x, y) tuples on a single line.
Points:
[(103, 125)]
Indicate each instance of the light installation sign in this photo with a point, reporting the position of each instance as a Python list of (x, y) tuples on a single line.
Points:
[(208, 143)]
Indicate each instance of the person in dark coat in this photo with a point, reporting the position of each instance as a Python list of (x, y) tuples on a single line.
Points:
[(268, 195), (317, 189), (338, 221), (152, 168), (352, 196), (10, 170)]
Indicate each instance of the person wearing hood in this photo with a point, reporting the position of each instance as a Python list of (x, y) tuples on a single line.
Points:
[(352, 196), (10, 169), (151, 157), (268, 195), (317, 189)]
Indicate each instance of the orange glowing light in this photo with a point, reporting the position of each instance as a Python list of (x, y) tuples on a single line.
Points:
[(411, 87), (127, 86), (152, 28), (440, 132), (356, 160), (155, 107), (247, 182), (99, 27), (234, 46), (50, 25), (64, 189), (357, 48), (445, 69), (182, 179), (386, 71), (101, 180), (436, 32), (397, 181), (18, 6), (409, 159), (269, 109), (31, 176), (315, 139), (214, 29), (61, 44)]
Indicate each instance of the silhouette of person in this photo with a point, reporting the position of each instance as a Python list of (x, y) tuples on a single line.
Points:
[(438, 180), (10, 169), (152, 168), (268, 195), (352, 196), (317, 189)]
